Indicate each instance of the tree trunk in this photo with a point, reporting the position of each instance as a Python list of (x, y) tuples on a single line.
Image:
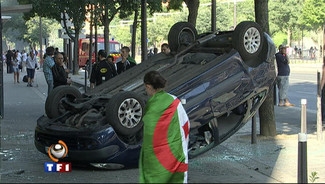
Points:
[(266, 111), (75, 62), (106, 31), (193, 7), (289, 37), (134, 33)]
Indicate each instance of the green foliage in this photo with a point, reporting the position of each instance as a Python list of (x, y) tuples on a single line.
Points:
[(204, 19), (245, 11), (158, 28), (280, 38), (175, 5), (313, 14), (284, 15), (313, 177)]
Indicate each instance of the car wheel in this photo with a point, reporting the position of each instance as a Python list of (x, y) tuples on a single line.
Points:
[(248, 40), (124, 112), (181, 35), (53, 103)]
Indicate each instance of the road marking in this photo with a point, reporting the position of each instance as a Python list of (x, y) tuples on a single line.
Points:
[(307, 93)]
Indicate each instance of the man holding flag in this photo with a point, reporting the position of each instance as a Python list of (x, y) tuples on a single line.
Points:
[(163, 157)]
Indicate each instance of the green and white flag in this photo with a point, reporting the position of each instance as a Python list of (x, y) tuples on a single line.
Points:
[(163, 157)]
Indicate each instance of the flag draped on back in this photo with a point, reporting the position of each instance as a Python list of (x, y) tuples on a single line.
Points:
[(163, 157)]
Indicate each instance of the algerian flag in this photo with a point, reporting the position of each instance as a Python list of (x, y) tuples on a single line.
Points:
[(163, 157)]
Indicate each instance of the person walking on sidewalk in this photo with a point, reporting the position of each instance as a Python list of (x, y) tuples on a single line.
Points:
[(47, 68), (31, 64), (283, 76), (15, 64), (24, 56), (9, 58)]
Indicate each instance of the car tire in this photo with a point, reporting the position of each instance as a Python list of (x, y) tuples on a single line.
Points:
[(181, 35), (248, 40), (124, 112), (53, 105)]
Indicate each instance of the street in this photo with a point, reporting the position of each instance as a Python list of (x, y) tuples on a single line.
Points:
[(303, 84), (271, 160)]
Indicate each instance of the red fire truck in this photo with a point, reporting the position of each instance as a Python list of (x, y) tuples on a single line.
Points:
[(114, 48)]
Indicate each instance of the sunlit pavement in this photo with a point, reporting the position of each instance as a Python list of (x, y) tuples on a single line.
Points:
[(270, 160)]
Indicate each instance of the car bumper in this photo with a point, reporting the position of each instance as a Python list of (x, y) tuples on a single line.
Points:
[(102, 146)]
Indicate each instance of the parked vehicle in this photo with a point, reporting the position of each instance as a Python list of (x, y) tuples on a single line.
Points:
[(222, 78), (84, 48)]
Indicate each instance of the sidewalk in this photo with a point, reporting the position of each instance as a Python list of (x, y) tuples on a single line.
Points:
[(270, 160)]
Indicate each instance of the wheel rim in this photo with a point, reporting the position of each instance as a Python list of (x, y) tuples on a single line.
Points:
[(186, 37), (252, 40), (130, 113)]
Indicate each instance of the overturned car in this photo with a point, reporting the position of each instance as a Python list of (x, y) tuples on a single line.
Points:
[(222, 78)]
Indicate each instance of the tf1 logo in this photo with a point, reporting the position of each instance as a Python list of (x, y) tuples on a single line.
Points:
[(57, 151)]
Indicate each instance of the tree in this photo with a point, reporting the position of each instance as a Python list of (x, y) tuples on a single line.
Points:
[(62, 11), (266, 111), (13, 30), (313, 16), (106, 11), (193, 6), (77, 15), (284, 18)]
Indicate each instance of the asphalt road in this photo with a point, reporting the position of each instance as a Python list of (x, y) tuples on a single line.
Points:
[(271, 160)]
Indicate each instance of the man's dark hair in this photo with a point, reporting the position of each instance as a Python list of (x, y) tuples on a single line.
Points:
[(165, 45), (110, 56), (49, 51), (102, 53), (125, 48)]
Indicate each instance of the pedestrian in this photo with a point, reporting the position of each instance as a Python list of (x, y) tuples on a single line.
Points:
[(56, 50), (125, 61), (155, 51), (110, 59), (9, 57), (150, 53), (31, 64), (296, 51), (19, 58), (102, 70), (60, 76), (47, 68), (283, 76), (65, 63), (163, 156), (15, 65), (24, 56), (165, 48)]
